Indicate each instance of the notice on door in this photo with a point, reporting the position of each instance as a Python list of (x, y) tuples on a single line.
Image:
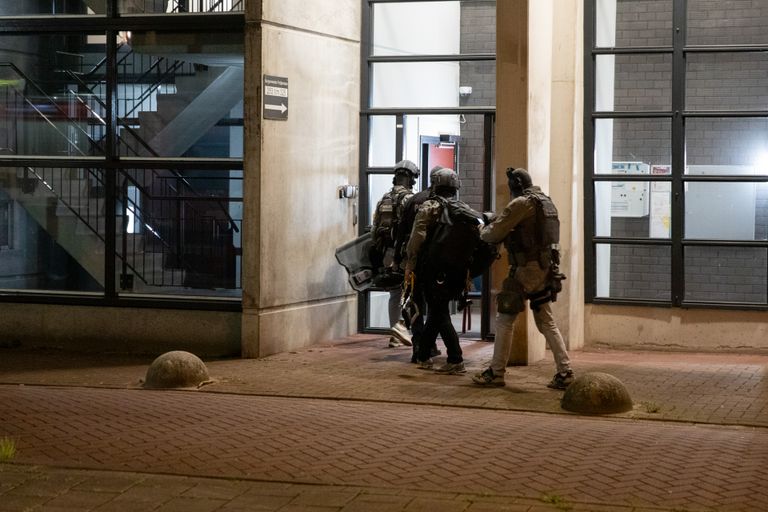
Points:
[(275, 97)]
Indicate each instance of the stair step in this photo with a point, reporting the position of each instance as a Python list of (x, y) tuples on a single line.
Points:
[(169, 105)]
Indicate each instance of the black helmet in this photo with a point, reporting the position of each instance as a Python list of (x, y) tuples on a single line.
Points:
[(518, 180), (407, 168), (432, 175), (445, 178)]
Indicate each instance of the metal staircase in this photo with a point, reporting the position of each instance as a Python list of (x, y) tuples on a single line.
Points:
[(170, 235)]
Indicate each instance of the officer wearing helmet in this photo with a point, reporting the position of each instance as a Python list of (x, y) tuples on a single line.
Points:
[(438, 288), (386, 218), (529, 228), (404, 228)]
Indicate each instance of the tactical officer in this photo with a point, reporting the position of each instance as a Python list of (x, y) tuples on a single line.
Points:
[(404, 228), (439, 288), (386, 218), (530, 230)]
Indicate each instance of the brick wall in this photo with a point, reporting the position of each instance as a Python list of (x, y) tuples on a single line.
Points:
[(478, 35), (719, 81)]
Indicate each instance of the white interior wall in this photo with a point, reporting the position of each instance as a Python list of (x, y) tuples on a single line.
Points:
[(604, 94)]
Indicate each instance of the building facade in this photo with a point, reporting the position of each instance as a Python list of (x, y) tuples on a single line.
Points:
[(172, 171)]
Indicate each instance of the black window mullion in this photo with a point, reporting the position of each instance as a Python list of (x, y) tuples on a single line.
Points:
[(111, 152), (489, 124), (679, 9), (590, 274), (366, 49)]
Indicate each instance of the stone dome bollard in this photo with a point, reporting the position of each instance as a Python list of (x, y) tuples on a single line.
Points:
[(596, 393), (176, 369)]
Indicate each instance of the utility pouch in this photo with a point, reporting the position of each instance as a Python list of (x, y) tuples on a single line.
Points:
[(509, 303), (556, 284)]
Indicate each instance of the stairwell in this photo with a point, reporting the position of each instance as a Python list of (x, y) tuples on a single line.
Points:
[(69, 203)]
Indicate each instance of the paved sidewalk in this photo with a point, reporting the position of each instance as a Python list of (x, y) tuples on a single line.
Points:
[(32, 488), (725, 389), (352, 425)]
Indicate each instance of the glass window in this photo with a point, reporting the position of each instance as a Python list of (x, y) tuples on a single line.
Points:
[(46, 110), (633, 23), (178, 95), (726, 211), (170, 105), (722, 23), (399, 74), (378, 310), (416, 28), (633, 82), (726, 274), (381, 136), (633, 272), (179, 231), (453, 141), (726, 81), (633, 209), (735, 146), (721, 147), (646, 141), (57, 7), (434, 28), (432, 84), (57, 237), (179, 6)]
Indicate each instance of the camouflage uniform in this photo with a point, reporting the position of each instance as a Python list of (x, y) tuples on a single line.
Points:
[(527, 276)]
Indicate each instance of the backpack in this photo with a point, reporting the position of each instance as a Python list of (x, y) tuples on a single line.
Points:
[(454, 248)]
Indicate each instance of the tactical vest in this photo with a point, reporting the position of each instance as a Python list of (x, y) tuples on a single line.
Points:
[(386, 212), (535, 237)]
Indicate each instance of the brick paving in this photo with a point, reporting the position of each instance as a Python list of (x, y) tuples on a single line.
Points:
[(351, 425), (27, 488), (697, 387)]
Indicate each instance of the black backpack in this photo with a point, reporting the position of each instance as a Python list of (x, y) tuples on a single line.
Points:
[(453, 246)]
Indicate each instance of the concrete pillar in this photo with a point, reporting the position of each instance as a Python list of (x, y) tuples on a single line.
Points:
[(567, 163), (538, 126), (511, 128), (294, 292)]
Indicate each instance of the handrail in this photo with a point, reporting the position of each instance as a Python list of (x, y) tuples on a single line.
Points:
[(78, 214), (144, 144), (177, 6), (53, 102), (156, 85), (98, 179), (198, 221)]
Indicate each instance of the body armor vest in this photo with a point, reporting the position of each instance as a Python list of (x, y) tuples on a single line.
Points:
[(386, 212), (535, 237)]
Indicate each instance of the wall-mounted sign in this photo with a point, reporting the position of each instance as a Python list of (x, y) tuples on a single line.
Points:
[(275, 97)]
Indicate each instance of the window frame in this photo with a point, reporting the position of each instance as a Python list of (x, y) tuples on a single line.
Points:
[(111, 23), (678, 114), (367, 61)]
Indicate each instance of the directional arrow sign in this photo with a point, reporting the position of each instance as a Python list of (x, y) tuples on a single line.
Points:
[(275, 97), (280, 108)]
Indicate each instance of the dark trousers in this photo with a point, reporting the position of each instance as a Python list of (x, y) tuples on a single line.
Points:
[(417, 327), (439, 322)]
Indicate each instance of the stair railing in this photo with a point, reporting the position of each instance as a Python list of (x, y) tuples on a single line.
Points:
[(182, 6), (183, 180), (71, 195)]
